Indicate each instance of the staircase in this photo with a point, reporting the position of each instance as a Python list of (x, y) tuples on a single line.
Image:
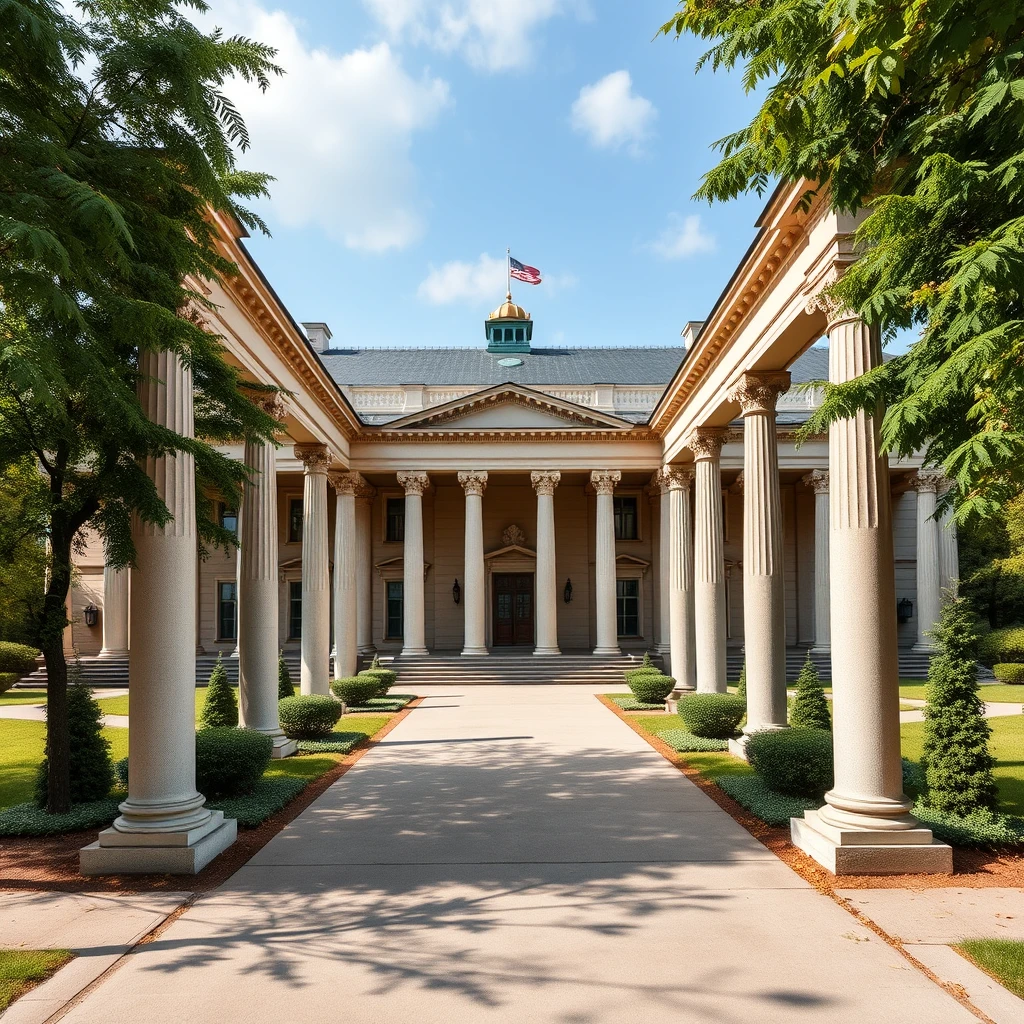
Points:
[(913, 664)]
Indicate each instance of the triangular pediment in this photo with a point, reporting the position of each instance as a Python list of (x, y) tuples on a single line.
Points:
[(509, 407)]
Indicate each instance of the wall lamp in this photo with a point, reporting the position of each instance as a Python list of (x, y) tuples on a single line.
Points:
[(91, 614), (567, 593), (456, 591), (904, 609)]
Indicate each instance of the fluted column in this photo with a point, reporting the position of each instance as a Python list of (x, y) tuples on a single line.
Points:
[(708, 559), (544, 483), (346, 653), (949, 553), (115, 611), (164, 824), (314, 676), (764, 609), (683, 649), (415, 483), (603, 482), (474, 483), (658, 488), (258, 592), (364, 568), (929, 592), (818, 480)]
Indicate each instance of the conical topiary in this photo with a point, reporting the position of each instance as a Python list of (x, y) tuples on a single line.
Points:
[(220, 708), (957, 762), (741, 686), (810, 707), (285, 686), (92, 773), (647, 663)]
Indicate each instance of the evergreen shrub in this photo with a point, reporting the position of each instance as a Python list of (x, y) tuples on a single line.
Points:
[(7, 680), (810, 707), (230, 761), (1001, 646), (651, 688), (741, 686), (308, 716), (220, 709), (18, 658), (385, 676), (635, 673), (1009, 672), (285, 686), (712, 715), (794, 762), (356, 690)]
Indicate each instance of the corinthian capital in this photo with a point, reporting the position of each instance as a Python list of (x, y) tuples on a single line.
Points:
[(929, 480), (604, 480), (817, 479), (345, 483), (758, 392), (474, 481), (677, 477), (315, 457), (272, 403), (706, 442), (415, 481), (545, 480)]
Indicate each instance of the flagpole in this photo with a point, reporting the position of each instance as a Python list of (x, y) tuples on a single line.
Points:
[(508, 271)]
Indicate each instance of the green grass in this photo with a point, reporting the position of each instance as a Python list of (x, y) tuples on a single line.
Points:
[(711, 765), (22, 969), (23, 697), (1002, 958), (119, 705)]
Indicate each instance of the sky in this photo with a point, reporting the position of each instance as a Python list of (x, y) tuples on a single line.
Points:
[(414, 140)]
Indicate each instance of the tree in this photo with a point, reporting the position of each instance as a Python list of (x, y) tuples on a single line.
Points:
[(220, 708), (741, 685), (285, 686), (116, 141), (957, 762), (810, 706), (22, 549), (913, 110)]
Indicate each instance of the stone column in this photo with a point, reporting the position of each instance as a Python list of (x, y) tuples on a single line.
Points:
[(865, 825), (929, 584), (679, 540), (164, 825), (474, 483), (345, 636), (764, 607), (115, 611), (663, 559), (818, 480), (314, 676), (415, 483), (364, 568), (258, 592), (604, 481), (949, 554), (544, 483), (708, 559)]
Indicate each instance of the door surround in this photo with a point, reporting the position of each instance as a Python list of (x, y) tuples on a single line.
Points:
[(512, 558)]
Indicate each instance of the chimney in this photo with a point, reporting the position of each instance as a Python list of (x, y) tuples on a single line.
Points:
[(690, 333), (319, 336)]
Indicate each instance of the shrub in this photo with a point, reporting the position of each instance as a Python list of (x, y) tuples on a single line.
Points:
[(794, 762), (635, 673), (957, 762), (685, 742), (7, 680), (30, 820), (712, 715), (772, 808), (810, 708), (1010, 672), (18, 658), (230, 761), (1001, 646), (985, 829), (285, 686), (220, 709), (309, 716), (385, 676), (741, 686), (91, 772), (647, 663), (651, 688), (356, 690)]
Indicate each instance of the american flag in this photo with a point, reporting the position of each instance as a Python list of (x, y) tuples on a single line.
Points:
[(522, 272)]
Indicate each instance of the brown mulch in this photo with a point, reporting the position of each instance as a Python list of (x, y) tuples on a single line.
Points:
[(972, 869), (50, 863)]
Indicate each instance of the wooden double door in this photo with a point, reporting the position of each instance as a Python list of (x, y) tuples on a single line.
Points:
[(512, 609)]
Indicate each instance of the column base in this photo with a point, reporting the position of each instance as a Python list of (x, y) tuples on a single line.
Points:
[(367, 649), (474, 652), (663, 649), (284, 747), (738, 747), (607, 652), (414, 652), (546, 652), (158, 853), (870, 852), (113, 653), (823, 649)]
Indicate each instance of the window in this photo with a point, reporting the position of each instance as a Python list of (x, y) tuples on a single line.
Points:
[(228, 519), (394, 527), (508, 333), (295, 610), (394, 627), (627, 606), (496, 334), (294, 520), (625, 518), (227, 611), (519, 334)]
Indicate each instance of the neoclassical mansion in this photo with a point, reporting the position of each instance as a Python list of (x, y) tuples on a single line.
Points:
[(507, 498)]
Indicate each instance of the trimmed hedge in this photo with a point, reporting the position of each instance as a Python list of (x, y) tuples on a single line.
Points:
[(386, 676), (1001, 646), (643, 670), (794, 762), (356, 690), (29, 820), (983, 829), (7, 680), (713, 716), (332, 743), (230, 761), (1008, 672), (651, 688), (18, 658), (309, 716)]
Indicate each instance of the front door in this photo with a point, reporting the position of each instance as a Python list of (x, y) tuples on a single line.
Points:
[(513, 608)]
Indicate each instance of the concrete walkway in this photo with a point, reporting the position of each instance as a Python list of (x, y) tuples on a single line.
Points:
[(515, 854)]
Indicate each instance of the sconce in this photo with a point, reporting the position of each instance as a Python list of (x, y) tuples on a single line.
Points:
[(904, 609), (456, 591), (91, 614), (567, 593)]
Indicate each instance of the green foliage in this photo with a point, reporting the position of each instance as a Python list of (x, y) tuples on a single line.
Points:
[(651, 687), (385, 676), (957, 761), (220, 709), (636, 673), (794, 762), (17, 658), (308, 716), (29, 819), (1011, 673), (685, 742), (92, 774), (1001, 646), (810, 708), (983, 829), (7, 680), (23, 504), (230, 761), (332, 743), (773, 808), (647, 663), (712, 715), (267, 797), (741, 686), (915, 112), (628, 702), (285, 686), (356, 690)]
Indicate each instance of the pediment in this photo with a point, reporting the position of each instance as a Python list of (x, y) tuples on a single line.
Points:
[(509, 407), (510, 551)]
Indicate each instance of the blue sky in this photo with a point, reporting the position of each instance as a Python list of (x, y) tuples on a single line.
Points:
[(413, 141)]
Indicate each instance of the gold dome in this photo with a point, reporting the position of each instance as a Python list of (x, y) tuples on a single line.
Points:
[(508, 310)]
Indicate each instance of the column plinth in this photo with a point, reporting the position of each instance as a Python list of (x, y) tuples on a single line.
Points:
[(682, 634), (314, 676), (346, 642), (474, 483), (414, 642), (544, 483), (818, 480), (603, 482), (929, 585)]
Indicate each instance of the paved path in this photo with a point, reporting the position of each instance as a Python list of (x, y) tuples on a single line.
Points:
[(515, 854)]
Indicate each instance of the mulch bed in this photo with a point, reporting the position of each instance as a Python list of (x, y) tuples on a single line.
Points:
[(51, 863)]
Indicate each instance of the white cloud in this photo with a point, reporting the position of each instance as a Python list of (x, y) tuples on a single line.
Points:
[(491, 36), (612, 115), (335, 131), (481, 282), (683, 237)]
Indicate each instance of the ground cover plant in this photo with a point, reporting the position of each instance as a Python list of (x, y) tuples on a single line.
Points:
[(628, 702), (23, 969), (1002, 958)]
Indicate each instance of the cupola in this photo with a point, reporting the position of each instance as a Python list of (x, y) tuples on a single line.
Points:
[(509, 328)]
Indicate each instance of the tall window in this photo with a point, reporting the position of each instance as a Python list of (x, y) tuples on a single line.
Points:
[(228, 519), (627, 606), (227, 611), (394, 527), (295, 610), (395, 624), (294, 520), (625, 518)]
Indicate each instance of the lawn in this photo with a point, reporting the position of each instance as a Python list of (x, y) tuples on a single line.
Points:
[(1002, 958), (22, 969), (23, 697), (710, 765), (119, 705)]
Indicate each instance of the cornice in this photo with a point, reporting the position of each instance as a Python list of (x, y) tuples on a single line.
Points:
[(512, 436)]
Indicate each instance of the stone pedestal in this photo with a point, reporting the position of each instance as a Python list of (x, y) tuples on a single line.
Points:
[(929, 593), (682, 634), (474, 483), (115, 612), (604, 482), (345, 627), (415, 483), (544, 483), (314, 675), (364, 569), (818, 481)]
